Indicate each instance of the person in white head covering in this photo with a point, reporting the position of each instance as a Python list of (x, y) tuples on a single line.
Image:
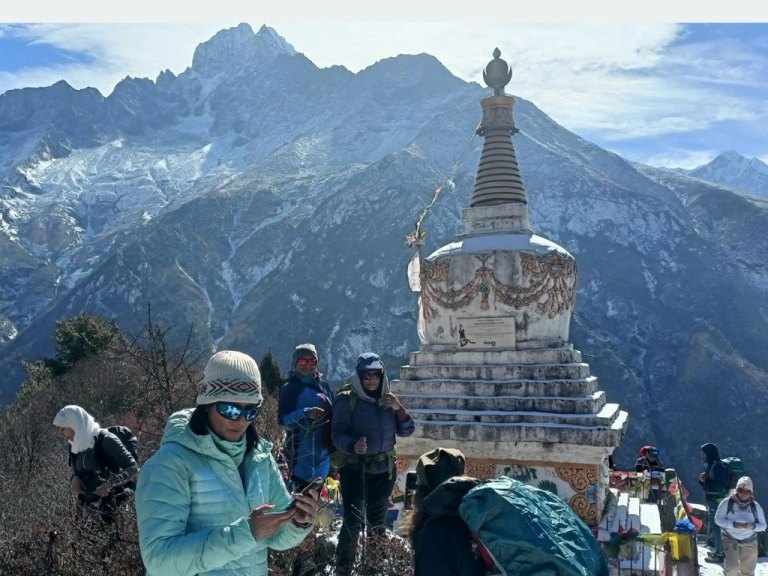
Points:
[(211, 500), (102, 467), (740, 518)]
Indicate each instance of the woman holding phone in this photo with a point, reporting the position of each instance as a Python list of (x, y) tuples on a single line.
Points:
[(366, 420), (211, 500)]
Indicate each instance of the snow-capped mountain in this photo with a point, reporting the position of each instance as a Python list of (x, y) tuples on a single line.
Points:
[(267, 201), (732, 170)]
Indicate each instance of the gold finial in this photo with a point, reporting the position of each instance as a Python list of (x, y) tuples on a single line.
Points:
[(497, 74)]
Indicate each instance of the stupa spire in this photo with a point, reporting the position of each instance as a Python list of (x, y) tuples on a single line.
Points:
[(498, 178)]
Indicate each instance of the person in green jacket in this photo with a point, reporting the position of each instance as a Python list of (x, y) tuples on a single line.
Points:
[(211, 500)]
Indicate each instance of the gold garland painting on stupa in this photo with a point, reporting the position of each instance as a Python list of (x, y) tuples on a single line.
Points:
[(552, 286), (579, 489), (584, 481)]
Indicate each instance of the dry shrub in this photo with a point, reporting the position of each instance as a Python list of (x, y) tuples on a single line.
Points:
[(387, 555), (310, 558), (62, 544), (138, 384)]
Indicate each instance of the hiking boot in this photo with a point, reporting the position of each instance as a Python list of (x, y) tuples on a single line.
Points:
[(714, 558)]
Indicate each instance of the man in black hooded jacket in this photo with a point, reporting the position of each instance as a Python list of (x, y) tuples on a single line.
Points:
[(714, 482)]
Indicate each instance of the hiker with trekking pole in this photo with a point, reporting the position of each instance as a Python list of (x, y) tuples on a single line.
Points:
[(304, 411), (367, 418)]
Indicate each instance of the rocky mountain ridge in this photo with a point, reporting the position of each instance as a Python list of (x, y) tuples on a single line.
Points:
[(266, 202), (731, 170)]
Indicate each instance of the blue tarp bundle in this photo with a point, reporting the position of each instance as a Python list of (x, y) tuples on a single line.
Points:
[(530, 531)]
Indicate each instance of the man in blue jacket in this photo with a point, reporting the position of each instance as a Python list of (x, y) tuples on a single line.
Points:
[(714, 482), (304, 410)]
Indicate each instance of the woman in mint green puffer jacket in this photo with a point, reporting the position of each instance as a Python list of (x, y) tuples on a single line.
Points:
[(211, 500), (193, 510)]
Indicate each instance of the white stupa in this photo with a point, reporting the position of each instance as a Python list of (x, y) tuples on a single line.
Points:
[(496, 375)]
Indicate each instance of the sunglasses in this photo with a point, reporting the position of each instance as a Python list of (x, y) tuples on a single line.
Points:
[(371, 375), (233, 412), (743, 491), (306, 362)]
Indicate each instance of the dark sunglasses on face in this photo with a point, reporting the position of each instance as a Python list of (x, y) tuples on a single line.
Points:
[(371, 375), (233, 412), (743, 491), (306, 362)]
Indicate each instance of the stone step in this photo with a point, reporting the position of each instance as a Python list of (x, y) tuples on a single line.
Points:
[(496, 371), (604, 418), (573, 388), (485, 357), (608, 436), (625, 513), (558, 405)]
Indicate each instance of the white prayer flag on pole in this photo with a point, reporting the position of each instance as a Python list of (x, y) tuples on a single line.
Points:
[(414, 269)]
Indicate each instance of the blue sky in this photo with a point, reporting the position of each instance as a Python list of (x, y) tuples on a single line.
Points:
[(660, 93)]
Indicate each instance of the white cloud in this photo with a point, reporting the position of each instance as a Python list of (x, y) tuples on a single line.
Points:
[(687, 159), (110, 52), (615, 82)]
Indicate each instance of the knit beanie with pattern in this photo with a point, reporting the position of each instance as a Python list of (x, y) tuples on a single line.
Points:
[(231, 377)]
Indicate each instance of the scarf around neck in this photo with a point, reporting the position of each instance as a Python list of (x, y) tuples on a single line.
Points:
[(235, 450)]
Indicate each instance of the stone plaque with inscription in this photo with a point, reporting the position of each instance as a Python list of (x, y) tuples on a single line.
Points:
[(486, 332)]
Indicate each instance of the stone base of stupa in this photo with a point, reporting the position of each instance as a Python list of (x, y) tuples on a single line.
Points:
[(535, 415)]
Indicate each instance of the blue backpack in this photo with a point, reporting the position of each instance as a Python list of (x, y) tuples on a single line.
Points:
[(529, 531)]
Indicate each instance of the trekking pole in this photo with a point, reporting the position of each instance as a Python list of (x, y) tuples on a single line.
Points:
[(365, 501), (364, 510)]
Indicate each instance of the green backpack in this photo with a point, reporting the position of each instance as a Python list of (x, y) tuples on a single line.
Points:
[(736, 470)]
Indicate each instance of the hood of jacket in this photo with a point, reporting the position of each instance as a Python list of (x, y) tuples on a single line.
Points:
[(177, 431), (367, 361), (711, 451), (445, 499)]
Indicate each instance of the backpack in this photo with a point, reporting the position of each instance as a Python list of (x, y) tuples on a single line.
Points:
[(735, 467), (126, 436), (128, 439), (527, 530)]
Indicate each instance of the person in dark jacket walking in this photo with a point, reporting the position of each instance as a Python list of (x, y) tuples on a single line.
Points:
[(366, 420), (100, 465), (440, 539), (714, 482), (304, 410)]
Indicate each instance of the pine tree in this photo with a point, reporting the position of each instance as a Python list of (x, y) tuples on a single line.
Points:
[(272, 377), (82, 336)]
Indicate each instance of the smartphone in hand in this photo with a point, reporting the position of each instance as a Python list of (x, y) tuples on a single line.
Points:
[(316, 485)]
